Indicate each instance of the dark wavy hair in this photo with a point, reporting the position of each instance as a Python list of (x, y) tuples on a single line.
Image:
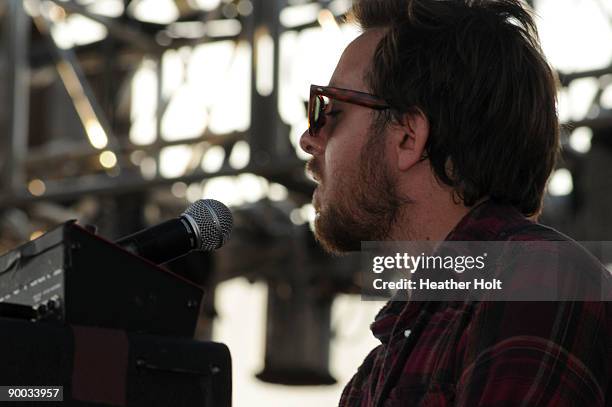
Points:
[(475, 68)]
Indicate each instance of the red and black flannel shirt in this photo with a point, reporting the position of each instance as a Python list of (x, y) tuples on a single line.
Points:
[(488, 353)]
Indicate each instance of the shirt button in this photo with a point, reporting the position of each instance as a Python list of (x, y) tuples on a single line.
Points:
[(407, 333)]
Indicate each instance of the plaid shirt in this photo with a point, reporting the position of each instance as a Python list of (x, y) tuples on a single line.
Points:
[(488, 353)]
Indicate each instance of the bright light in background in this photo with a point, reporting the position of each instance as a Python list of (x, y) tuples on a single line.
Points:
[(108, 8), (328, 22), (305, 214), (174, 160), (148, 168), (217, 94), (173, 63), (201, 95), (580, 139), (564, 104), (291, 106), (179, 189), (223, 189), (154, 11), (206, 75), (339, 7), (144, 104), (96, 134), (194, 192), (59, 30), (299, 14), (186, 116), (137, 156), (205, 5), (213, 159), (277, 192), (142, 131), (561, 183), (580, 98), (575, 35), (223, 28), (187, 29), (235, 191), (252, 187), (308, 213), (245, 7), (606, 96), (84, 30), (607, 6), (296, 217), (108, 159), (72, 30), (62, 35), (32, 8), (264, 70), (37, 187), (231, 110), (240, 155)]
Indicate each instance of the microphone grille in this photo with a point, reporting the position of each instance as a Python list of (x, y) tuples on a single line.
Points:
[(214, 221)]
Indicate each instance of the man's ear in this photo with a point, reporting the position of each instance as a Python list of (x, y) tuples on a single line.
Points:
[(411, 133)]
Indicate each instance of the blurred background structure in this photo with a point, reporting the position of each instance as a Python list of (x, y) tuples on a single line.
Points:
[(119, 113)]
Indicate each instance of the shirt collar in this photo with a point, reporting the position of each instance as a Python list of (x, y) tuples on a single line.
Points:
[(486, 221)]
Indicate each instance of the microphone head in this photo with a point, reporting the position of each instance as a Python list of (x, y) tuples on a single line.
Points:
[(214, 223)]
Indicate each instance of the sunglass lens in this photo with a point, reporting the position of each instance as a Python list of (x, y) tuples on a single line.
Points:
[(317, 110), (316, 115)]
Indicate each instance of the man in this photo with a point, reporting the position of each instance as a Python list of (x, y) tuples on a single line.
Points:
[(439, 123)]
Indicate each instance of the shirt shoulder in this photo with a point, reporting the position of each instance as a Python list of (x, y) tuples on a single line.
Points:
[(537, 353)]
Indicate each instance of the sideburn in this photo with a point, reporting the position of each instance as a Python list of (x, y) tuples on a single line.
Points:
[(380, 198)]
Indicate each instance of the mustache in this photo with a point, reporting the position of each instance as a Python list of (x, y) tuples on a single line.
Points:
[(313, 169)]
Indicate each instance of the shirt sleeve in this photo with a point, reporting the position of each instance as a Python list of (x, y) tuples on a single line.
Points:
[(536, 354)]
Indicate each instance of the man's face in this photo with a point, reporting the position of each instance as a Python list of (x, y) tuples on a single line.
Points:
[(356, 198)]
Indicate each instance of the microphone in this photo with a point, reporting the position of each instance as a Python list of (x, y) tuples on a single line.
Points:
[(205, 225)]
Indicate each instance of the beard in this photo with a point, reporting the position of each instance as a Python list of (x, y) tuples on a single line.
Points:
[(363, 208)]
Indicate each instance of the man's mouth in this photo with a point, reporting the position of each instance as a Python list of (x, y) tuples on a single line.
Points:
[(313, 171)]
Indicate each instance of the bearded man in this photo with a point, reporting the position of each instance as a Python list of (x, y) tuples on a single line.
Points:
[(439, 123)]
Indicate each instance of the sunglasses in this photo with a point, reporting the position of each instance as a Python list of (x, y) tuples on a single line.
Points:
[(319, 100)]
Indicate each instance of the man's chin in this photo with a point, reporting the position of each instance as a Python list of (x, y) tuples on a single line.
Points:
[(330, 247), (334, 240)]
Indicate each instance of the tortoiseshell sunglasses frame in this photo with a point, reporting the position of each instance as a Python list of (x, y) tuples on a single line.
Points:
[(316, 120)]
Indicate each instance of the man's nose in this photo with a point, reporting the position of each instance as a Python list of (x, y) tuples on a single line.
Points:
[(311, 145)]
